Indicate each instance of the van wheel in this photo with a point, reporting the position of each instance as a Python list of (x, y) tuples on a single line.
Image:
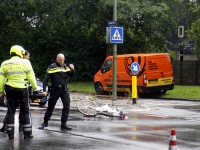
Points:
[(163, 91), (99, 88)]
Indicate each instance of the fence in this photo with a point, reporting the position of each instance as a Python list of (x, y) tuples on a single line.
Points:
[(186, 72)]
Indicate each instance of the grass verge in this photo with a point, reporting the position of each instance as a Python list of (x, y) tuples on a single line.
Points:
[(179, 91), (183, 92), (81, 87)]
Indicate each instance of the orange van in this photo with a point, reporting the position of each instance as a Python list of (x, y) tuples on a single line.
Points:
[(155, 74)]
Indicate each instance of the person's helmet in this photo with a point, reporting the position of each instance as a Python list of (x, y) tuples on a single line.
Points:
[(18, 50)]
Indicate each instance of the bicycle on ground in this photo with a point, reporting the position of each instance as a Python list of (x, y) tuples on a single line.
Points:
[(90, 109)]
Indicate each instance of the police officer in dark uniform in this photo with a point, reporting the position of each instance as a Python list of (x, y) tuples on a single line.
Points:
[(57, 73)]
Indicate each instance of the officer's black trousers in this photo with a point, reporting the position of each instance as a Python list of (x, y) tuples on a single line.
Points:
[(6, 117), (13, 95), (54, 95), (20, 118)]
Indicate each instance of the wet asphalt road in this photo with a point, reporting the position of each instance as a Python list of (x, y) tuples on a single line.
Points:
[(148, 127)]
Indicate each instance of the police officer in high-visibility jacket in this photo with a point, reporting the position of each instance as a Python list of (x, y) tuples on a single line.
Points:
[(57, 73), (26, 55), (15, 76)]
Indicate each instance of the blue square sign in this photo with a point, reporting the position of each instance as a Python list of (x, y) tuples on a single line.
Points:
[(116, 35)]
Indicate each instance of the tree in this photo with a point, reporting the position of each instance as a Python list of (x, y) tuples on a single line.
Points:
[(194, 28), (77, 28), (194, 31), (12, 30), (147, 25)]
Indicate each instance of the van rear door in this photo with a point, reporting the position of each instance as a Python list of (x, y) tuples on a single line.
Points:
[(159, 70)]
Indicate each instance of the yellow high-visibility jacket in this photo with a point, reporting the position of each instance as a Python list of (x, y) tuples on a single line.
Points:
[(18, 73)]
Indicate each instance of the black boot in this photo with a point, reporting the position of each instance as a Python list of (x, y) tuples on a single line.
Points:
[(44, 124), (65, 127), (11, 136), (20, 127), (28, 136), (4, 128)]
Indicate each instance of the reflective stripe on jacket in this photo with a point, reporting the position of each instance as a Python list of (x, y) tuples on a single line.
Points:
[(57, 74), (58, 69), (17, 72)]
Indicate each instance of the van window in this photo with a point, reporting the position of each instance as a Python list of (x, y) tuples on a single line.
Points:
[(107, 66)]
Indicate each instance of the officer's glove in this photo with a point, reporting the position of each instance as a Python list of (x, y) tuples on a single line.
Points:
[(35, 95)]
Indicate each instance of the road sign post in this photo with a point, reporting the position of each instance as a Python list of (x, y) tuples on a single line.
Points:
[(114, 86), (116, 37), (135, 68)]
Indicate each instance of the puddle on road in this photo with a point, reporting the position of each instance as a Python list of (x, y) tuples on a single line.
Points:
[(192, 108), (147, 138), (135, 107), (136, 116)]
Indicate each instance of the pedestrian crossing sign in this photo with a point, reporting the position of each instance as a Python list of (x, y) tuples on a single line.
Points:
[(116, 35)]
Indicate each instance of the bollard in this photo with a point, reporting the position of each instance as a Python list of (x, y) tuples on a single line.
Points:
[(134, 89)]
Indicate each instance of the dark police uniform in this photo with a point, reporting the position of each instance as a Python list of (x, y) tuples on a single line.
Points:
[(58, 75)]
